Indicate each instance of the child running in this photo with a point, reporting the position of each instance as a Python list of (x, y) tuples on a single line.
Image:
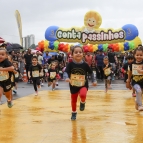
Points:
[(52, 75), (107, 73), (6, 69), (17, 74), (34, 73), (76, 74), (135, 77), (125, 70)]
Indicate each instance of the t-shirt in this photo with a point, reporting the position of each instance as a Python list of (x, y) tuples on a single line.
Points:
[(99, 59), (136, 78), (5, 75), (78, 75), (35, 70), (107, 71), (46, 58), (40, 59), (52, 73), (28, 58), (111, 57)]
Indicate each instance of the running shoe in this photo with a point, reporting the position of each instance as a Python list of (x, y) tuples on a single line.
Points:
[(42, 84), (82, 106), (57, 84), (9, 104), (133, 95), (53, 89), (73, 116), (36, 93)]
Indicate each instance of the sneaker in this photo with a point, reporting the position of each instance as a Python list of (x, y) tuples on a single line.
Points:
[(82, 106), (42, 84), (36, 93), (57, 83), (53, 89), (73, 116), (9, 104), (140, 108), (14, 91), (133, 95)]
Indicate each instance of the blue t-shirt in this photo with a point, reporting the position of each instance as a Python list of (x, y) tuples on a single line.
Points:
[(99, 59)]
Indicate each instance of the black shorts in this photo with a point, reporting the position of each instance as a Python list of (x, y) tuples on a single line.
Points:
[(16, 79), (6, 85), (51, 80)]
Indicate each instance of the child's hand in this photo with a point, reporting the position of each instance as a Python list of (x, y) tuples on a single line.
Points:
[(94, 83), (68, 80), (128, 85)]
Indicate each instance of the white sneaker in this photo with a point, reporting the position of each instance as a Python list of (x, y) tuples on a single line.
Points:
[(53, 89), (140, 108), (42, 84), (36, 93)]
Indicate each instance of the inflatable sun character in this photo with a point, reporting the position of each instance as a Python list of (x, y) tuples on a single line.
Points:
[(92, 21)]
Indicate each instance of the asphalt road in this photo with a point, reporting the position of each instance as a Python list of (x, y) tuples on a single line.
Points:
[(25, 89)]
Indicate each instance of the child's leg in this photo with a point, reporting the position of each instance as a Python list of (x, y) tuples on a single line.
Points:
[(57, 82), (74, 101), (82, 94), (106, 85), (138, 96), (35, 84), (1, 92), (38, 82), (16, 85), (53, 84), (8, 95)]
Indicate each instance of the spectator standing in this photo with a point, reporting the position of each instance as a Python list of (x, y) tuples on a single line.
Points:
[(99, 60), (28, 62)]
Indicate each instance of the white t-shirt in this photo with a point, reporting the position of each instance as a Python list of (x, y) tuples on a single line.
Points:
[(40, 59)]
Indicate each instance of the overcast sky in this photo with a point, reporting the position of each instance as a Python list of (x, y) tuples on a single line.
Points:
[(38, 15)]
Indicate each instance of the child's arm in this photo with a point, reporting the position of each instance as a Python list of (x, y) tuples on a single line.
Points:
[(11, 68), (29, 74)]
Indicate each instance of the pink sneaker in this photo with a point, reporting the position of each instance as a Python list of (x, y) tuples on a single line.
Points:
[(133, 95)]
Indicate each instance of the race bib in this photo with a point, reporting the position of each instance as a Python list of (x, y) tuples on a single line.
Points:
[(17, 75), (35, 73), (52, 75), (60, 72), (134, 69), (4, 75), (77, 80), (107, 71)]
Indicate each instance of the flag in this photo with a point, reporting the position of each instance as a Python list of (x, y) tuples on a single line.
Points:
[(19, 24)]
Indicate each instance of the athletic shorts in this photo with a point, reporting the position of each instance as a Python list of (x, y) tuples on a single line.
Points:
[(51, 80), (6, 85)]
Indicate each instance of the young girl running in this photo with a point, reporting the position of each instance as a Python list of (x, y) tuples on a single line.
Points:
[(52, 75), (6, 69), (107, 73), (34, 73), (17, 74), (76, 74), (135, 77)]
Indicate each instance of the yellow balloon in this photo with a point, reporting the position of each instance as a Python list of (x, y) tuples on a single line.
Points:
[(95, 47)]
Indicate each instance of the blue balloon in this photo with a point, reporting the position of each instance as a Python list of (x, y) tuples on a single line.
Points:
[(131, 31), (126, 46), (51, 45), (100, 47), (50, 33)]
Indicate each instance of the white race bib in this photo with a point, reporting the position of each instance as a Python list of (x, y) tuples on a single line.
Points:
[(35, 73), (77, 80), (107, 71), (52, 75), (17, 75), (4, 75)]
